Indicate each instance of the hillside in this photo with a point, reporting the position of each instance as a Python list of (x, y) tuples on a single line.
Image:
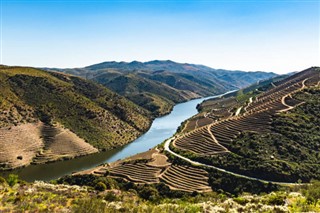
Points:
[(268, 140), (270, 132), (263, 143), (46, 116), (242, 153), (252, 145), (158, 85)]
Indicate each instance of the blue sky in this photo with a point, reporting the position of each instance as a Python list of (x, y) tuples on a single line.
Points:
[(278, 36)]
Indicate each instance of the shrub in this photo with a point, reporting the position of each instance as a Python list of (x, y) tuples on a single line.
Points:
[(107, 173), (12, 179), (276, 199), (2, 180), (241, 200), (90, 205), (100, 186), (110, 196), (313, 192), (149, 193)]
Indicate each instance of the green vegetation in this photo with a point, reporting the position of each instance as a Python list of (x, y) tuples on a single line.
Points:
[(45, 197), (158, 85), (288, 153), (101, 117), (288, 148), (312, 192), (12, 179)]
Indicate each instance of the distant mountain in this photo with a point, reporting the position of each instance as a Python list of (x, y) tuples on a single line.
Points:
[(158, 85), (46, 116)]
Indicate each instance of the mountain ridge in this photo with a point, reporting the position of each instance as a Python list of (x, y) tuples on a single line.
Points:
[(174, 82)]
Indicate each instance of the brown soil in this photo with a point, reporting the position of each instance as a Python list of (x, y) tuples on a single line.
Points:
[(61, 143), (19, 145), (39, 143), (159, 160)]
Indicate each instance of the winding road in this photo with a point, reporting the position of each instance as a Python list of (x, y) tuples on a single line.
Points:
[(168, 141), (167, 148)]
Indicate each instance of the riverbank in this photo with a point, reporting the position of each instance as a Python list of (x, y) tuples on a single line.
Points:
[(161, 129)]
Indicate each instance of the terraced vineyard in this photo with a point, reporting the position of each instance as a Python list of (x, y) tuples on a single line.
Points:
[(213, 133), (220, 108), (246, 140), (185, 178), (213, 138), (197, 122), (200, 141), (153, 167), (138, 173)]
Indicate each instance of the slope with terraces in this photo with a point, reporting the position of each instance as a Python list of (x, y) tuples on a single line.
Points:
[(61, 143), (224, 144), (219, 139), (153, 167), (46, 116)]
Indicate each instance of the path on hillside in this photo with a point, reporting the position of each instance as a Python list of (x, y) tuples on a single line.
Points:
[(283, 99), (172, 139), (238, 111), (167, 148)]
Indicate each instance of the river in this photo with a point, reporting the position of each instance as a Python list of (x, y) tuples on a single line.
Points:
[(161, 129)]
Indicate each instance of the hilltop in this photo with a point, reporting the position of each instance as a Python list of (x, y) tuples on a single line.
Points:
[(47, 116), (158, 85)]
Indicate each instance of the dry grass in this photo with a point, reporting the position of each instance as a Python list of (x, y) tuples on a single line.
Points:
[(19, 145), (38, 143)]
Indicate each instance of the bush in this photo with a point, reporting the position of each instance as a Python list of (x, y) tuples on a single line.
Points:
[(240, 200), (313, 192), (2, 180), (107, 173), (276, 199), (12, 179), (110, 196), (100, 186), (149, 193), (90, 205)]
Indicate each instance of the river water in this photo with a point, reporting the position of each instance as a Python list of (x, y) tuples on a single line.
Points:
[(161, 129)]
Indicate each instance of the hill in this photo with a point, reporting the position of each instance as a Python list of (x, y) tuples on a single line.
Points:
[(158, 85), (259, 144), (47, 116), (243, 153), (270, 132)]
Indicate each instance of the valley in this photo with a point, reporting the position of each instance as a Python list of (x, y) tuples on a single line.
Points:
[(161, 129), (148, 106), (254, 141), (201, 159), (70, 116)]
